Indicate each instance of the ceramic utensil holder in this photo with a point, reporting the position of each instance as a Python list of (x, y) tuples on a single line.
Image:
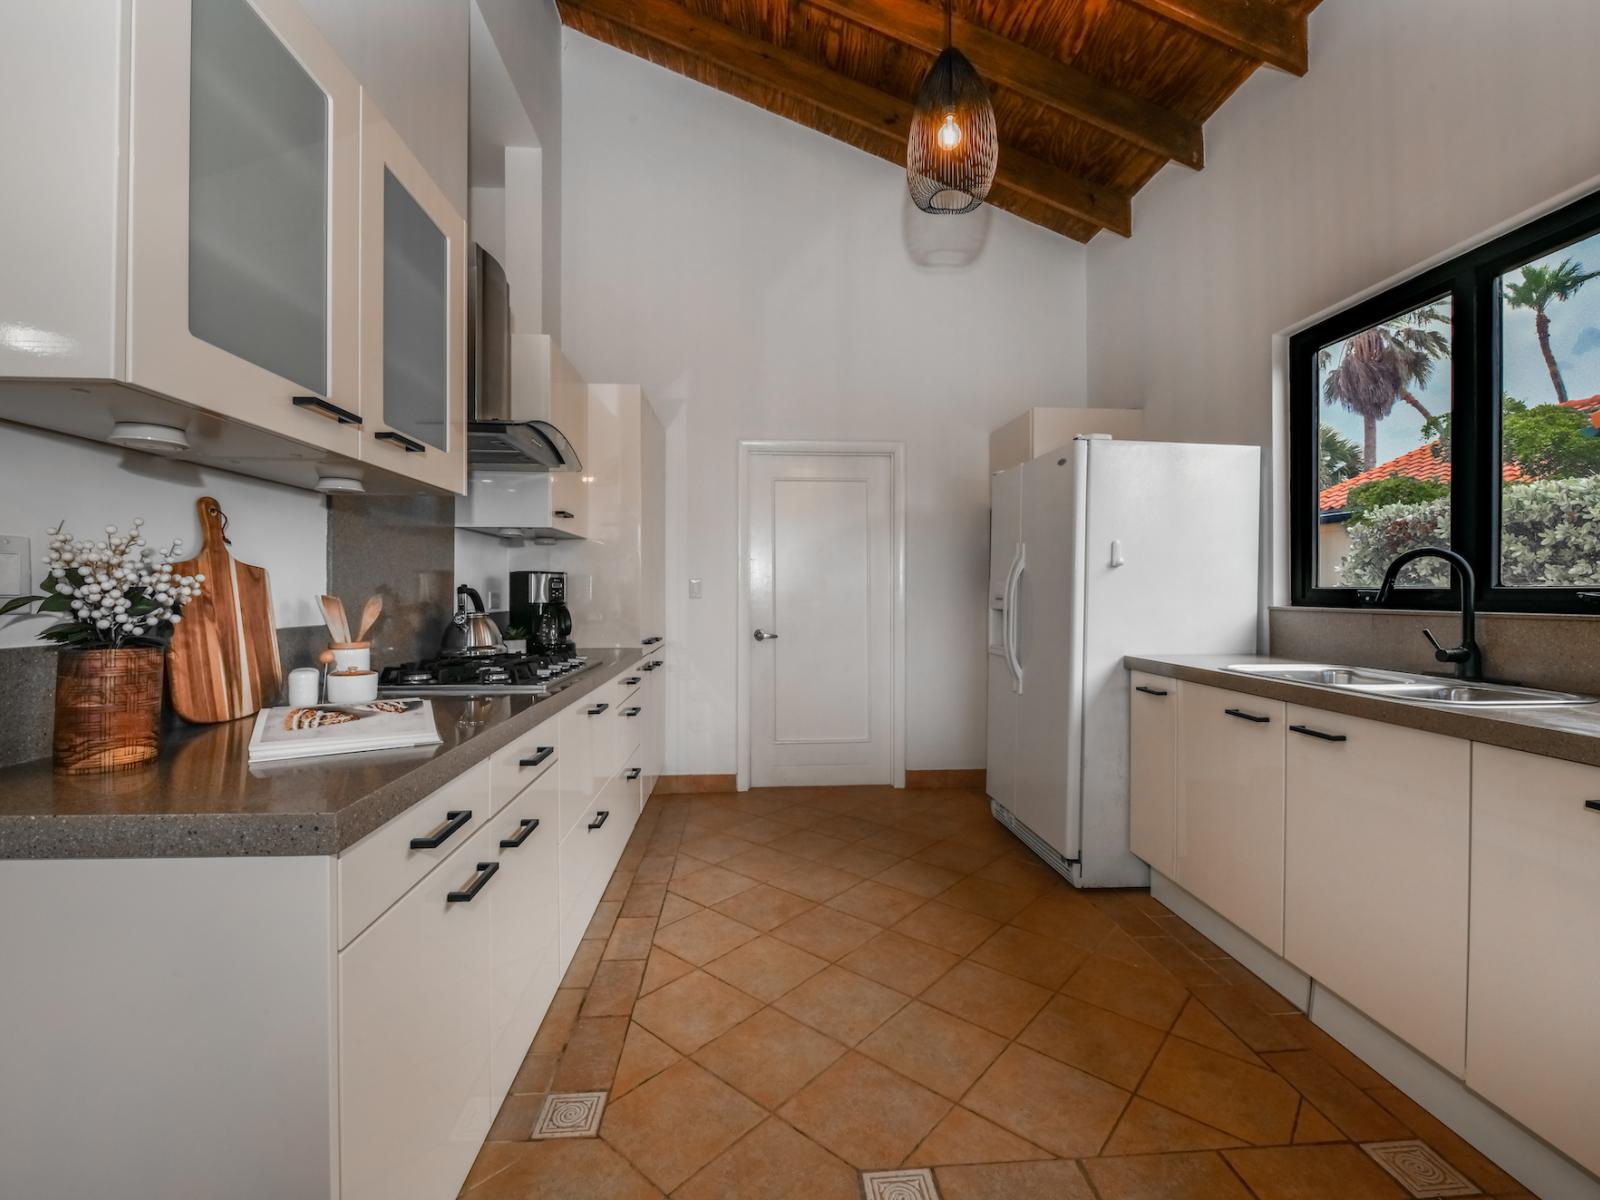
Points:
[(352, 656), (353, 687)]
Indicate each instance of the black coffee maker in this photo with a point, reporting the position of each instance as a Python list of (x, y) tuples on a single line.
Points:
[(539, 604)]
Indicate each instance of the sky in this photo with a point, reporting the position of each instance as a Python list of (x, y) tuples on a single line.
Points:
[(1574, 336)]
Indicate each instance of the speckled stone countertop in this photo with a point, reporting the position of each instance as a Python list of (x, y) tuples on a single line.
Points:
[(1572, 733), (203, 799)]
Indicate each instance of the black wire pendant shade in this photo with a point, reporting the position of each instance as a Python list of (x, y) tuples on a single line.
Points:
[(953, 148)]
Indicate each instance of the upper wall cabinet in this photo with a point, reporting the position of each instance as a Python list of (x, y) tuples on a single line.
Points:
[(189, 244), (413, 314)]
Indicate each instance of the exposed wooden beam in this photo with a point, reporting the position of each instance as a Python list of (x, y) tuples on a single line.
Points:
[(1037, 76), (1255, 28), (886, 119)]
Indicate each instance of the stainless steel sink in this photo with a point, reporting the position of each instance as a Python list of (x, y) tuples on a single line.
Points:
[(1400, 685)]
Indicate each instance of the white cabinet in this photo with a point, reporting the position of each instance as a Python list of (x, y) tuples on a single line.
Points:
[(1153, 771), (1375, 902), (575, 770), (655, 669), (1230, 807), (569, 412), (1533, 1046), (413, 314), (415, 1089)]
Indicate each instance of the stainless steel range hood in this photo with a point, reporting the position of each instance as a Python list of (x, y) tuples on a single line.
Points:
[(511, 380)]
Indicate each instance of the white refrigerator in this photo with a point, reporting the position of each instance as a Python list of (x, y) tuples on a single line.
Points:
[(1097, 550)]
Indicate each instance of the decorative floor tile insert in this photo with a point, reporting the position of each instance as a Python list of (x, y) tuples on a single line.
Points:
[(899, 1185), (1418, 1169), (570, 1115)]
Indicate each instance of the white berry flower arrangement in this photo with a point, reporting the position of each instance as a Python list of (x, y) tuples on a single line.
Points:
[(114, 592)]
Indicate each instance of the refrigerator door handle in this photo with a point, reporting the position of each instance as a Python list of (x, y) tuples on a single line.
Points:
[(1019, 564)]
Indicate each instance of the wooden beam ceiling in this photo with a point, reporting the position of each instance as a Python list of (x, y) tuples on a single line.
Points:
[(1001, 61), (886, 119), (1256, 29)]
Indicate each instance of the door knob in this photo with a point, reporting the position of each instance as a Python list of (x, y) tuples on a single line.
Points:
[(762, 635)]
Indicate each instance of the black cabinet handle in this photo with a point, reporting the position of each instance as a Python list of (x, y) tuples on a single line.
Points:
[(1318, 734), (632, 712), (1244, 716), (649, 641), (563, 515), (598, 709), (599, 820), (1592, 805), (323, 408), (453, 821), (543, 753), (528, 825), (631, 680), (475, 884), (1149, 691), (648, 667), (401, 440), (654, 663), (635, 773)]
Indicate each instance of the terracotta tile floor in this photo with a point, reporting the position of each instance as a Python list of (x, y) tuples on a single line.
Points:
[(786, 988)]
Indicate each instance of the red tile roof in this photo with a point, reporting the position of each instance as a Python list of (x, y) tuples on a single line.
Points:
[(1421, 464)]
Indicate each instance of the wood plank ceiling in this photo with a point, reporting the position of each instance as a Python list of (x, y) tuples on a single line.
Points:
[(1092, 97)]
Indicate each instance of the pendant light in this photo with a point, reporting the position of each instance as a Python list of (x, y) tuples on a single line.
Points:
[(953, 147)]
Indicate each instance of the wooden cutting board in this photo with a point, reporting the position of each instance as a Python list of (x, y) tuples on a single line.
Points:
[(223, 661)]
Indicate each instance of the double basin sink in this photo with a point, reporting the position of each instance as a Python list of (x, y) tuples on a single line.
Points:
[(1398, 685)]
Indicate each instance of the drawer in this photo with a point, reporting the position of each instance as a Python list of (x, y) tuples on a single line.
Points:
[(525, 760), (624, 728), (589, 854), (385, 864)]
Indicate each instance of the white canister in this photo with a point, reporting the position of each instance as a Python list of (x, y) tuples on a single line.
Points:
[(304, 686), (352, 656), (352, 687)]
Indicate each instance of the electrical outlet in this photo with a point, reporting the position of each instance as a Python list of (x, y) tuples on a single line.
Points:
[(695, 591), (494, 601), (16, 566)]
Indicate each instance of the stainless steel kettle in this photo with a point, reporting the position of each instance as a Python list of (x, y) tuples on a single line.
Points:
[(471, 631)]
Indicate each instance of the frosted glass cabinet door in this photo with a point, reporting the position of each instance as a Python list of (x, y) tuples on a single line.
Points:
[(413, 305), (244, 214)]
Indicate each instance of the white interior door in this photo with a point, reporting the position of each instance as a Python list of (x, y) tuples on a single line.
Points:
[(821, 574)]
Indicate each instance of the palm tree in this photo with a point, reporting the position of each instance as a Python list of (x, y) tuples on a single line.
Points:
[(1338, 457), (1538, 288), (1378, 367)]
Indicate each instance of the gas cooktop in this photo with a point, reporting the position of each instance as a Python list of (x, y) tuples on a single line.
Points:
[(488, 674)]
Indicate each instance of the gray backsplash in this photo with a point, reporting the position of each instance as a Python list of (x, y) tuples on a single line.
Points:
[(1542, 651), (399, 547)]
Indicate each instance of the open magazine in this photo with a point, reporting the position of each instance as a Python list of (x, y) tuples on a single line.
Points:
[(311, 730)]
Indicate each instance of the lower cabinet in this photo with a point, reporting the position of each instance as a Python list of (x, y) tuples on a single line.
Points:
[(1229, 839), (1153, 771), (1533, 1044), (1375, 874)]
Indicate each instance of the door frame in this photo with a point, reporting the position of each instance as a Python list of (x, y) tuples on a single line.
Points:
[(895, 452)]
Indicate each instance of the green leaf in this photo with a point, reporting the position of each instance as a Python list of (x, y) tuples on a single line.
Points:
[(56, 604), (17, 602)]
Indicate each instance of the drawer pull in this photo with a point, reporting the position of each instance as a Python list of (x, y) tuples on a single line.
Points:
[(635, 773), (401, 440), (655, 663), (543, 753), (1318, 734), (323, 408), (632, 712), (648, 667), (649, 641), (599, 819), (475, 884), (453, 821), (563, 515), (1149, 691), (1592, 805), (598, 709), (527, 826), (1244, 716), (631, 680)]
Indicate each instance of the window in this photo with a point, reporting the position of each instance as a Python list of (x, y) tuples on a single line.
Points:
[(1460, 409)]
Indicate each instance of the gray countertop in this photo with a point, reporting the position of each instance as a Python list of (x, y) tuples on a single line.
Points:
[(202, 798), (1572, 733)]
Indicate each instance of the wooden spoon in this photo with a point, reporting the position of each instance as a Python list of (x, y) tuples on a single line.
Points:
[(369, 616), (333, 613)]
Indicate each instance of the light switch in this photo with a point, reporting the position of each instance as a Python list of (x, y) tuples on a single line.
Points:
[(16, 566), (494, 601), (694, 589)]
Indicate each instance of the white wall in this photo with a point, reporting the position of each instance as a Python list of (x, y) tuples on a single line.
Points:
[(1421, 125), (45, 478), (755, 277)]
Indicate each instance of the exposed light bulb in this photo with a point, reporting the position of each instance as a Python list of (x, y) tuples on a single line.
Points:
[(949, 132)]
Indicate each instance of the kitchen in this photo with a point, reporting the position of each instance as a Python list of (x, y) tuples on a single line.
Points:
[(777, 311)]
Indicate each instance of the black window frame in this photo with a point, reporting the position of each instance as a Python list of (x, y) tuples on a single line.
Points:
[(1468, 282)]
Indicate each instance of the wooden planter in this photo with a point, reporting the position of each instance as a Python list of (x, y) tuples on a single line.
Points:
[(108, 709)]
